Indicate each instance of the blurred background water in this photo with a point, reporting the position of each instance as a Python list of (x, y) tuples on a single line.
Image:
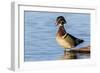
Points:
[(40, 33)]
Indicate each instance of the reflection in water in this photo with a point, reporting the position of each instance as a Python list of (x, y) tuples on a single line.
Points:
[(69, 55), (77, 54)]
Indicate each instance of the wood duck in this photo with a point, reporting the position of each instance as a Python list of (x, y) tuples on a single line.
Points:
[(64, 39)]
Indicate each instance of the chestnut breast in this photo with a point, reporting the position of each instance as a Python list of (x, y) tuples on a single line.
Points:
[(61, 31)]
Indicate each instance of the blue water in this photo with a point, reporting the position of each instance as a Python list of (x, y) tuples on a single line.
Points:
[(40, 33)]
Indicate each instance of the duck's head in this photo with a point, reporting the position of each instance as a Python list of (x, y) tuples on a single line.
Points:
[(60, 20)]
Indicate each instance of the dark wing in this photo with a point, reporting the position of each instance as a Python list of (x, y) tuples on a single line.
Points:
[(76, 41)]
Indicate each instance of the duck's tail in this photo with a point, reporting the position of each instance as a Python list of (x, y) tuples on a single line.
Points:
[(78, 41)]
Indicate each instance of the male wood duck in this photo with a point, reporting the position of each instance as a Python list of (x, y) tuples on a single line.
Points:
[(66, 40)]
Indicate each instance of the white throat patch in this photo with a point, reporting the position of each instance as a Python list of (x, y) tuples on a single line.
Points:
[(60, 25)]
